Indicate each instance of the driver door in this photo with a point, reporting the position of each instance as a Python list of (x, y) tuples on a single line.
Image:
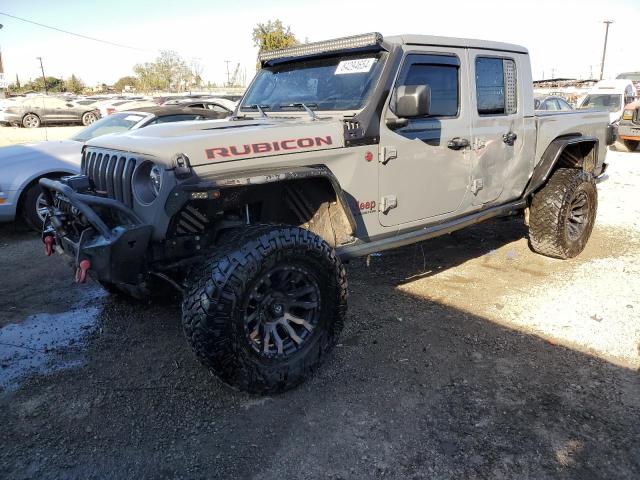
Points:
[(425, 165)]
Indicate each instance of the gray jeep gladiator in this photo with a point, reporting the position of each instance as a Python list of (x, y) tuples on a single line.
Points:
[(337, 150)]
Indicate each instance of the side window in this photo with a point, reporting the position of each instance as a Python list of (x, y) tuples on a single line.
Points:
[(441, 74), (496, 91)]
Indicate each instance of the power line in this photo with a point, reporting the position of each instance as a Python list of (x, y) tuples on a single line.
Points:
[(86, 37)]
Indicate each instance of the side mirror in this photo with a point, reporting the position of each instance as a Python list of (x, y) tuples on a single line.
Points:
[(413, 101)]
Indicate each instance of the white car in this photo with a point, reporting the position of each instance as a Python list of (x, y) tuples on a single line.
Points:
[(21, 166), (609, 95)]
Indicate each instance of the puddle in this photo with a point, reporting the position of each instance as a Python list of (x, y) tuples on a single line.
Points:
[(44, 343)]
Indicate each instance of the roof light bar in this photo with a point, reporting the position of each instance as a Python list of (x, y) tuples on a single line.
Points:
[(345, 43)]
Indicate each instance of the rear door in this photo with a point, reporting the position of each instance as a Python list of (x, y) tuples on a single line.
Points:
[(497, 123), (420, 176)]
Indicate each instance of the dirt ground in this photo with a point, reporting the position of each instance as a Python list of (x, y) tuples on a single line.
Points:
[(465, 357)]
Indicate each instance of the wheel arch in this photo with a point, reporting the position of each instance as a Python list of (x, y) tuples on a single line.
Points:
[(27, 184), (310, 196), (569, 151)]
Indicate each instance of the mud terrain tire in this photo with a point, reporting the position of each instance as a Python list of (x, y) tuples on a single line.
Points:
[(255, 284), (562, 214)]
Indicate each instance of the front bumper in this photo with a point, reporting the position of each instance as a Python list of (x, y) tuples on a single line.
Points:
[(116, 254), (8, 201)]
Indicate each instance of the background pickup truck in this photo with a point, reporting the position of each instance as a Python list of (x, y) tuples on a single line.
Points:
[(338, 149)]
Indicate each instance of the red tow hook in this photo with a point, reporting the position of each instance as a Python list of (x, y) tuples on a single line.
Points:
[(48, 245), (81, 271)]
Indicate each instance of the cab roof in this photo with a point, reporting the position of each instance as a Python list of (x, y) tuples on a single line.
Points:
[(434, 40)]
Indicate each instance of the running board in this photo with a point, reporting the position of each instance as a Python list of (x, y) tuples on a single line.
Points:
[(432, 231)]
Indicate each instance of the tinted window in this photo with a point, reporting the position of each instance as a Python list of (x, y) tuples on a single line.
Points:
[(443, 82), (490, 86)]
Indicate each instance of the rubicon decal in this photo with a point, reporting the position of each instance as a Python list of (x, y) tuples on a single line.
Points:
[(268, 147)]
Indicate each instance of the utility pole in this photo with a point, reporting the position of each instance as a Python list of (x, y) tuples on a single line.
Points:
[(604, 50), (228, 75), (44, 79)]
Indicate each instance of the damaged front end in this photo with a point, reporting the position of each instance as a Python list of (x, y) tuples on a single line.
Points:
[(104, 237)]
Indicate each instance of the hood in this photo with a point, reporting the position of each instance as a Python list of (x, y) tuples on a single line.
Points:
[(206, 142), (64, 154)]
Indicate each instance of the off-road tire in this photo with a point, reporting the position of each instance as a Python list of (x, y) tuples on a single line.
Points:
[(31, 120), (631, 145), (213, 310), (550, 224), (88, 118)]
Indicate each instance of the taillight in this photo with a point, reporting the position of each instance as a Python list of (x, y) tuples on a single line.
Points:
[(110, 111)]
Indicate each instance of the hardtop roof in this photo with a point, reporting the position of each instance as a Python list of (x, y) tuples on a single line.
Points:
[(434, 40)]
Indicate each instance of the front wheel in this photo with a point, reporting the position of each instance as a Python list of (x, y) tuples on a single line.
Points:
[(88, 118), (562, 214), (263, 313), (31, 120), (34, 206), (631, 145)]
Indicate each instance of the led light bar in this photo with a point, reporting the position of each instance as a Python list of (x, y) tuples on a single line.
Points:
[(345, 43)]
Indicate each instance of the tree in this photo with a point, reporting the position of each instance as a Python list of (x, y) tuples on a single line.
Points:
[(272, 36), (128, 81), (74, 85), (169, 71), (53, 85)]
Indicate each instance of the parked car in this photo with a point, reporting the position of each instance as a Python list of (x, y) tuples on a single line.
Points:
[(21, 166), (609, 95), (221, 105), (340, 149), (33, 112), (629, 127), (551, 102), (634, 77)]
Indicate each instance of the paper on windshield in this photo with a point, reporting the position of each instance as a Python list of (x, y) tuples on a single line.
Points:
[(361, 65)]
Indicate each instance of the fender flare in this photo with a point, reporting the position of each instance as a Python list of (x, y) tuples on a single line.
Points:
[(182, 192), (542, 171)]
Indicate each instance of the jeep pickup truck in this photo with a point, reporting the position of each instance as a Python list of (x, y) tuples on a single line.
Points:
[(338, 149)]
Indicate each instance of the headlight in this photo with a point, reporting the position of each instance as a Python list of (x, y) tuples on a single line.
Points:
[(147, 182), (627, 115), (155, 175)]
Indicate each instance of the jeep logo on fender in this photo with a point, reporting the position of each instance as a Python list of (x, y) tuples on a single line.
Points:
[(266, 147)]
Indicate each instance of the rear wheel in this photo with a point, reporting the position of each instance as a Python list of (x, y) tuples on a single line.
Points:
[(631, 145), (88, 118), (562, 214), (31, 120), (263, 313)]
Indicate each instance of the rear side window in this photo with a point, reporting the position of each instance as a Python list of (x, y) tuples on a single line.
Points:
[(440, 72), (496, 86)]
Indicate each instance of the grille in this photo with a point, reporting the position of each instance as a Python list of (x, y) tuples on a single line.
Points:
[(111, 174)]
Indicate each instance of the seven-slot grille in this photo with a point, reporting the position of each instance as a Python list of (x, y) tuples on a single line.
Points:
[(111, 174)]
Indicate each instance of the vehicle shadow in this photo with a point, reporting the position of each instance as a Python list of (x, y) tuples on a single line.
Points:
[(425, 259)]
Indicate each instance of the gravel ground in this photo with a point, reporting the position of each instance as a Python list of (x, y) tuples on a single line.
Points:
[(13, 135), (467, 356)]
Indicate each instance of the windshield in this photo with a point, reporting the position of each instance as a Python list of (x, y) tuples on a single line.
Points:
[(336, 83), (610, 102), (115, 123)]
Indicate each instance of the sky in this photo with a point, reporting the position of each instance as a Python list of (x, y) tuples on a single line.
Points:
[(564, 38)]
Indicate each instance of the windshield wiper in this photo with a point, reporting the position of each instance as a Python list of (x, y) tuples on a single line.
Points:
[(311, 113), (258, 107)]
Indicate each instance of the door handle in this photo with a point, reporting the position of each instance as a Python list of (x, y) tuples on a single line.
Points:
[(509, 138), (458, 143)]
